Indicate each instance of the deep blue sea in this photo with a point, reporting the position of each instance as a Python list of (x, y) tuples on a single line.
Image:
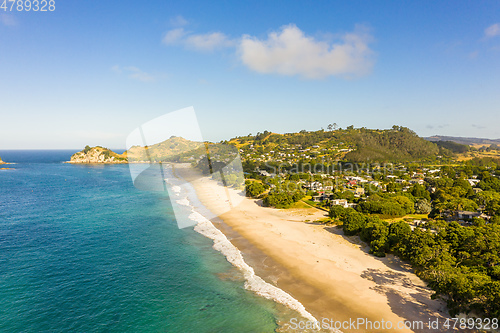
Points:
[(82, 250)]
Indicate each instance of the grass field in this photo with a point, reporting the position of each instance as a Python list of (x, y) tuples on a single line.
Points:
[(409, 216)]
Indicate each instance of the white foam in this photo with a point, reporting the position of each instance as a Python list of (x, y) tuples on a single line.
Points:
[(233, 256), (176, 189), (184, 202)]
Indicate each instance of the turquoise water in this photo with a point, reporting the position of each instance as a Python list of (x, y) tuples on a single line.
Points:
[(82, 250)]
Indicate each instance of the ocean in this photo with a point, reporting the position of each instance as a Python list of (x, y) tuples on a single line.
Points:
[(83, 250)]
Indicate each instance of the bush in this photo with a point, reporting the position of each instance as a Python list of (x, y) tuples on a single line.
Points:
[(254, 189), (423, 206), (282, 199), (352, 221), (336, 212)]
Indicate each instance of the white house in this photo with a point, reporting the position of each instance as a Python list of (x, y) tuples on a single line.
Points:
[(340, 202)]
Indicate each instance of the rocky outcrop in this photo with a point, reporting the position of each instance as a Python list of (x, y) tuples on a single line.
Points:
[(98, 155), (3, 163)]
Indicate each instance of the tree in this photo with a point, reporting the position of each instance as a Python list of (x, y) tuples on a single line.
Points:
[(405, 203), (278, 199), (254, 189), (423, 206), (352, 221), (491, 291), (336, 211), (375, 232), (419, 191), (398, 232)]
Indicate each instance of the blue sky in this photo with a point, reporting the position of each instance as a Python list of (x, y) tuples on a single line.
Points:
[(91, 72)]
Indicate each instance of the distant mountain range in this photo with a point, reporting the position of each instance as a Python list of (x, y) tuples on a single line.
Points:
[(463, 140)]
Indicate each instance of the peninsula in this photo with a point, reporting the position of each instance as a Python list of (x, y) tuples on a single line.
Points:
[(98, 155)]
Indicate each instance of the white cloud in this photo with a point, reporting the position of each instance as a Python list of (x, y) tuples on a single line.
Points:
[(137, 74), (492, 31), (8, 20), (178, 21), (134, 73), (208, 42), (173, 36), (291, 52), (200, 42)]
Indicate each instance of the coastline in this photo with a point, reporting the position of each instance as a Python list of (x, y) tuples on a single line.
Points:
[(332, 275), (185, 195)]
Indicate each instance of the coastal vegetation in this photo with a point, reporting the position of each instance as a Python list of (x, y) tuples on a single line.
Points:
[(426, 205), (350, 144), (460, 263), (98, 154), (401, 194), (254, 189), (174, 149), (459, 258)]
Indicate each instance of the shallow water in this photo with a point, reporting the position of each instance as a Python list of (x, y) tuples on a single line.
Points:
[(82, 250)]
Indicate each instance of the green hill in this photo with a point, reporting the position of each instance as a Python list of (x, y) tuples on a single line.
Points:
[(97, 154), (396, 144), (175, 149), (351, 144)]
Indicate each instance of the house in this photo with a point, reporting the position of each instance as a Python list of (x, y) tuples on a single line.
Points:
[(473, 182), (466, 215), (417, 181), (359, 191), (339, 202), (317, 198), (314, 186), (264, 173), (358, 179)]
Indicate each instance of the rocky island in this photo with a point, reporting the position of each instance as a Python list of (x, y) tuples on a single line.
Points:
[(98, 155), (2, 163)]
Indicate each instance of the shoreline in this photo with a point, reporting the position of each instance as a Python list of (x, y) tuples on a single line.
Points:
[(206, 225), (332, 275)]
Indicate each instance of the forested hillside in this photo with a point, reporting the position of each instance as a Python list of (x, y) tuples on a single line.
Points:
[(397, 144), (351, 144)]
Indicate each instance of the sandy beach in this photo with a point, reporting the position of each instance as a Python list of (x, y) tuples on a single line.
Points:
[(331, 274)]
